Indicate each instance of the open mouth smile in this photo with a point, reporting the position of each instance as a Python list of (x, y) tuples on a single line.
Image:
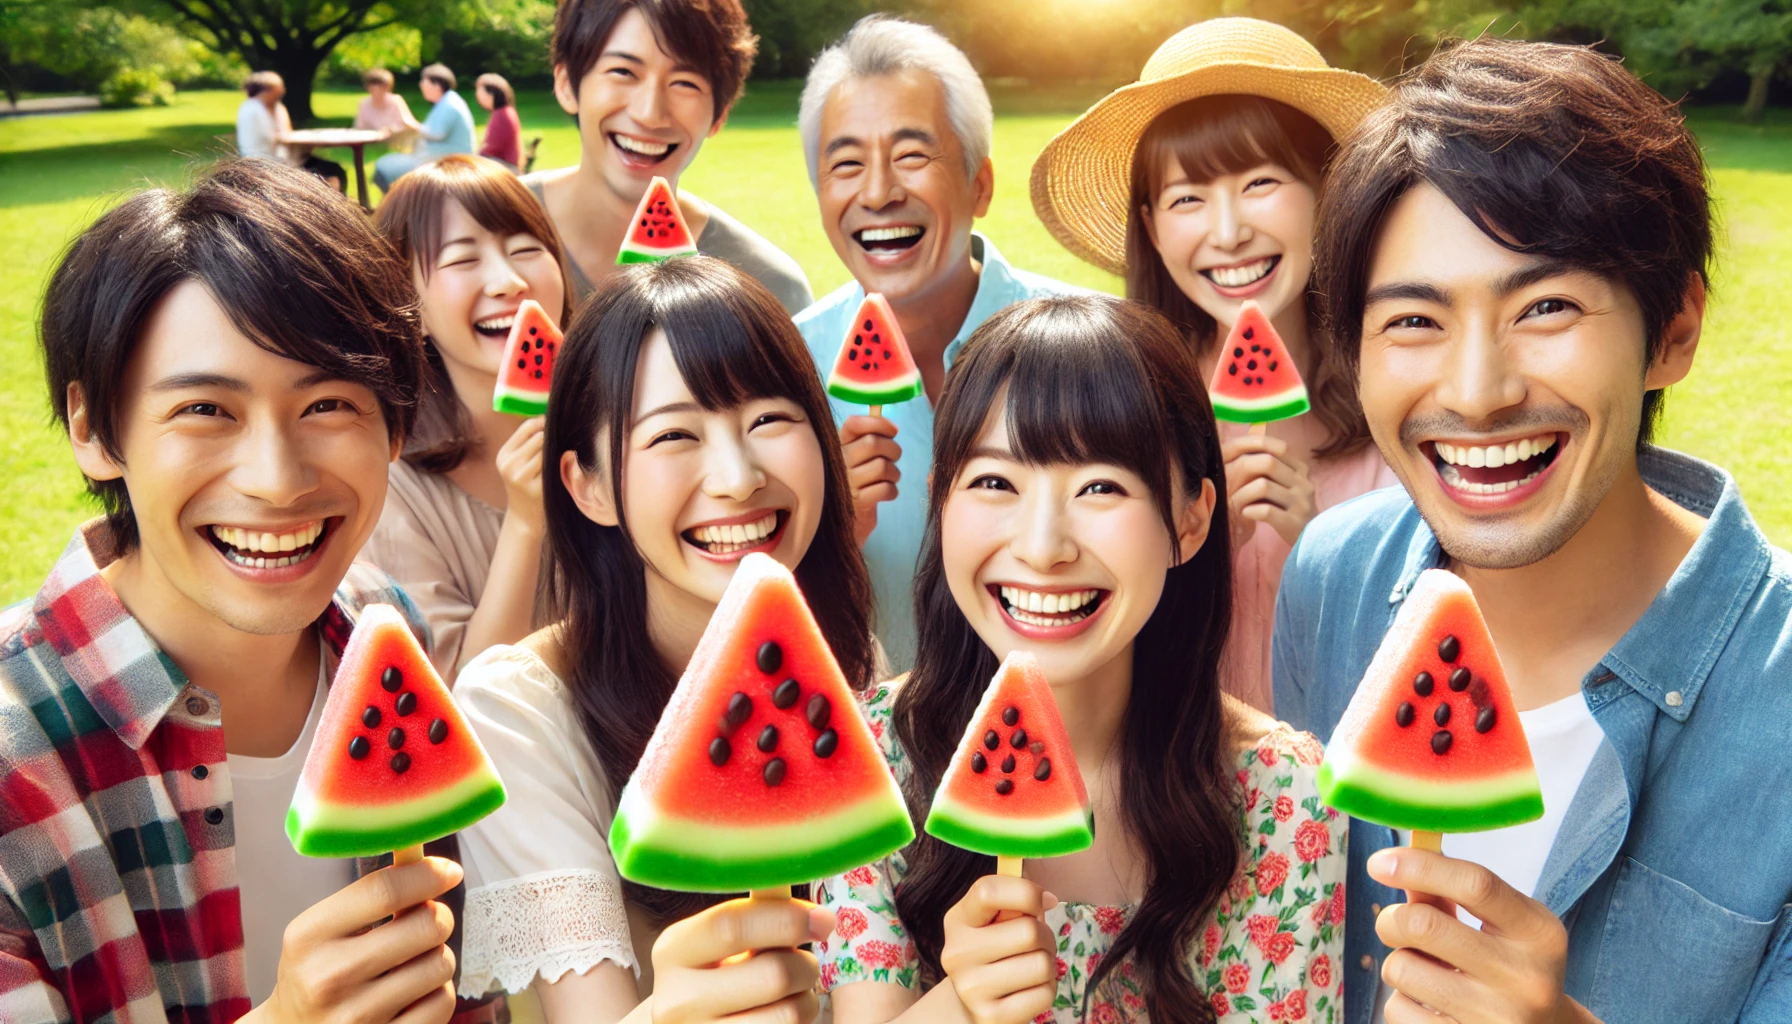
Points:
[(495, 327), (889, 240), (247, 548), (641, 152), (731, 541), (1048, 614), (1242, 276), (1496, 471)]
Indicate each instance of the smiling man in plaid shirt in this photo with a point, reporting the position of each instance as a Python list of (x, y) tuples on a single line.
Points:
[(235, 365)]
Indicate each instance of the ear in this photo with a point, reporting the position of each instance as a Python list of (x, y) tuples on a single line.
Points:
[(1679, 339), (1194, 521), (96, 463), (1150, 223), (590, 491), (983, 186), (566, 90)]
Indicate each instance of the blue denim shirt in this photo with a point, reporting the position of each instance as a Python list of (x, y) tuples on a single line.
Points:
[(1673, 869), (892, 548)]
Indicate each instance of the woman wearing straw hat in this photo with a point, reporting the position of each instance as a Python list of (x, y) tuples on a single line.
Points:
[(1198, 184)]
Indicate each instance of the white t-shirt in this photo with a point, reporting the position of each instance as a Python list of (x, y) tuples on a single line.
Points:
[(258, 130), (275, 884), (1563, 737)]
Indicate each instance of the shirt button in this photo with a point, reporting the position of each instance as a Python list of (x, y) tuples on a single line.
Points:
[(201, 771), (197, 706), (1375, 910), (215, 816), (1674, 699), (1367, 963)]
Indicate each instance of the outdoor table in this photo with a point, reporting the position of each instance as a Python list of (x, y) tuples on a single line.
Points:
[(353, 138)]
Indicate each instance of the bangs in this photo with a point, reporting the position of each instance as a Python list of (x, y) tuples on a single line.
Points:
[(1229, 134), (726, 354)]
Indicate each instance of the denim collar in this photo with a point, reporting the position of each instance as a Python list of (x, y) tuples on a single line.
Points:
[(1667, 656)]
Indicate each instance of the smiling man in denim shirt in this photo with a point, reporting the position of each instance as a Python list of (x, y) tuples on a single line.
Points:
[(1515, 253)]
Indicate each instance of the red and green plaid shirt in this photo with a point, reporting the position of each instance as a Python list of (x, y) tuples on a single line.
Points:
[(118, 893)]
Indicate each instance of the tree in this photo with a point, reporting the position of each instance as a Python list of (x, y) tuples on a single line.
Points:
[(292, 37)]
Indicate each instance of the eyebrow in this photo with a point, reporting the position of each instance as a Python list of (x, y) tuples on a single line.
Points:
[(183, 381), (1541, 269), (669, 407), (621, 55), (988, 452), (920, 135)]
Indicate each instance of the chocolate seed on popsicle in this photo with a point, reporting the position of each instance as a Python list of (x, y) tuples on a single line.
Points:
[(395, 738), (407, 703), (768, 739), (1008, 763), (1449, 648), (786, 694), (770, 657), (1440, 741), (818, 711), (1403, 714), (719, 751), (371, 717), (990, 740), (1036, 747), (827, 743), (401, 762), (740, 708), (1043, 770), (1460, 678), (1019, 739), (1485, 718), (359, 748), (1442, 715), (1010, 716), (1005, 786), (438, 731), (979, 763), (1421, 684), (391, 679), (775, 770)]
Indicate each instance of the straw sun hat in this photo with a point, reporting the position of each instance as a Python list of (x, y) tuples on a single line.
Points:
[(1082, 181)]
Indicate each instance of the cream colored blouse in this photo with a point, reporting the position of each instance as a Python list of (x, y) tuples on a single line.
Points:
[(437, 541)]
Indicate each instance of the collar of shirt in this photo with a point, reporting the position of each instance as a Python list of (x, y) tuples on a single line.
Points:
[(117, 666), (1668, 654)]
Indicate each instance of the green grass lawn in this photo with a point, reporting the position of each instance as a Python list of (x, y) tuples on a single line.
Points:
[(59, 172)]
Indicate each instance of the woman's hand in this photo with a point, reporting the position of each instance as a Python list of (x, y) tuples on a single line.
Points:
[(738, 961), (1264, 484), (519, 463), (1005, 971)]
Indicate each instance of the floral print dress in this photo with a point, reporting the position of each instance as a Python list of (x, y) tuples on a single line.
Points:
[(1270, 952)]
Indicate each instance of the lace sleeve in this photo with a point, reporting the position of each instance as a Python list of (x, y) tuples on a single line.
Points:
[(544, 924)]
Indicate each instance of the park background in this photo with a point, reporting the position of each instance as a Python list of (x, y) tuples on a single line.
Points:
[(154, 84)]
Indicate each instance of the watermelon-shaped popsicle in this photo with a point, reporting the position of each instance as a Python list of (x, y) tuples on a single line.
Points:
[(393, 764), (658, 231), (1255, 380), (1431, 741), (528, 366), (1014, 789), (874, 366), (761, 772)]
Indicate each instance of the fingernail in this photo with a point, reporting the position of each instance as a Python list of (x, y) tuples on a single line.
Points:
[(1048, 900), (1383, 863)]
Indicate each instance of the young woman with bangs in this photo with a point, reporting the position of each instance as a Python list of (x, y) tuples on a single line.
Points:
[(1198, 185), (1215, 884), (462, 527), (683, 400)]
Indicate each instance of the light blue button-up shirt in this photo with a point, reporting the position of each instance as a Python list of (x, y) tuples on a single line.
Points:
[(1673, 869), (448, 128), (891, 550)]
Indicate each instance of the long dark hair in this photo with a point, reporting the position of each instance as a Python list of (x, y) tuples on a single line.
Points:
[(1230, 134), (733, 343), (1092, 379), (411, 219)]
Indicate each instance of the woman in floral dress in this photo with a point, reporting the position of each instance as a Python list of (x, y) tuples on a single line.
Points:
[(1082, 525)]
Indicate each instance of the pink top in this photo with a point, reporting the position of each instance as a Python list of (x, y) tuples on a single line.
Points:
[(1257, 563), (503, 137)]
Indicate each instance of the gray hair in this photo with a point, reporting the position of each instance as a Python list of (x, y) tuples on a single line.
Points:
[(882, 45)]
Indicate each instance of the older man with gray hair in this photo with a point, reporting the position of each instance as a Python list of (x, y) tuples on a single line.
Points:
[(896, 126)]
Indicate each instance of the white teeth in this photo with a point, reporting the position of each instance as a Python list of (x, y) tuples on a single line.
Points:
[(500, 323), (889, 234), (642, 147), (1494, 456), (253, 540), (1035, 602), (724, 540), (1238, 277)]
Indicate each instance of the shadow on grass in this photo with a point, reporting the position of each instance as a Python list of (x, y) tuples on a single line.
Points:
[(83, 170)]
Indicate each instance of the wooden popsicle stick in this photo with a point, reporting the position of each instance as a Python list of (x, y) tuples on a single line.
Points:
[(408, 855), (779, 892), (1423, 840), (876, 410), (1009, 866), (1258, 429)]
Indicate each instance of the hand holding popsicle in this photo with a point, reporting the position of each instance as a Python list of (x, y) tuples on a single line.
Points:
[(999, 955), (737, 958), (1511, 969), (871, 452), (1264, 484)]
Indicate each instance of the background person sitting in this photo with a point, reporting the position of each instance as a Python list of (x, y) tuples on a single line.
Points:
[(504, 131), (447, 129), (263, 127), (386, 111)]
